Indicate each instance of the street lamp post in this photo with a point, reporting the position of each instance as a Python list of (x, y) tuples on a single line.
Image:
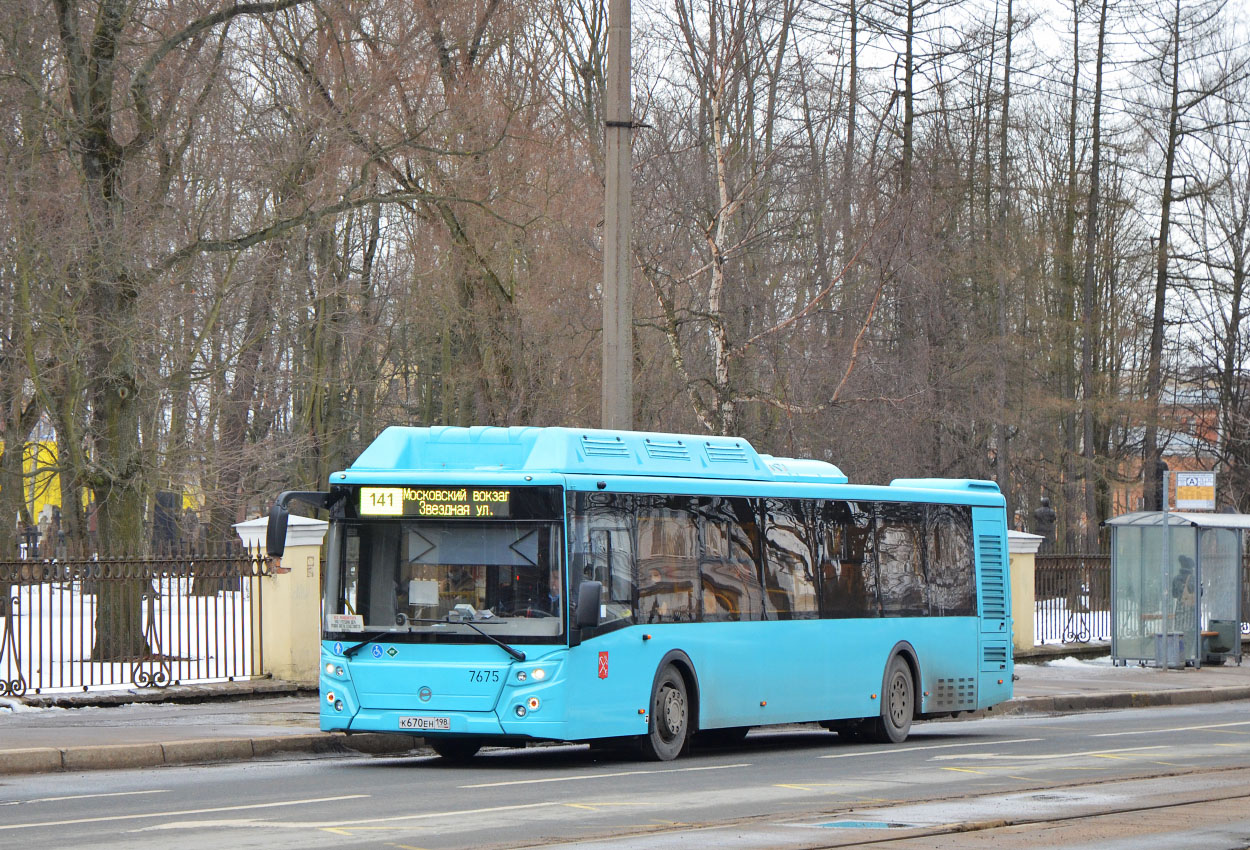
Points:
[(618, 310)]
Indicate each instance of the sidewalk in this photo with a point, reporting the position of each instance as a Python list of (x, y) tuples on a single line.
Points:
[(244, 720)]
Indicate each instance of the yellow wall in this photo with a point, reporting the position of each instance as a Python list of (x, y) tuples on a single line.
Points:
[(41, 485), (42, 481), (1023, 547), (289, 604)]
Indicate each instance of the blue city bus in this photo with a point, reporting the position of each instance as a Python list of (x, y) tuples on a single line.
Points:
[(499, 586)]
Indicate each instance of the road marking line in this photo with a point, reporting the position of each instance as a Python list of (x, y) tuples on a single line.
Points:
[(1047, 756), (348, 825), (1168, 731), (183, 812), (601, 776), (888, 750), (597, 806), (86, 797), (354, 829), (460, 813)]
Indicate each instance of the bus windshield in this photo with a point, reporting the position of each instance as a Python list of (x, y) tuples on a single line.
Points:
[(430, 576)]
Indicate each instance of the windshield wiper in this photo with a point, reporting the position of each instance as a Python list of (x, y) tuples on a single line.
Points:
[(353, 649), (511, 650)]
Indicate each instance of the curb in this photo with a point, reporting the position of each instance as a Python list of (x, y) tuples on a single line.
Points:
[(207, 750), (213, 692), (1076, 703), (196, 751)]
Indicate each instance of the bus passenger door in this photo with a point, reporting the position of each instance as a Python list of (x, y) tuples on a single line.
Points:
[(610, 670)]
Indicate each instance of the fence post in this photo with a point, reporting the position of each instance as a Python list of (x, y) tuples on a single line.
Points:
[(1022, 549), (291, 601)]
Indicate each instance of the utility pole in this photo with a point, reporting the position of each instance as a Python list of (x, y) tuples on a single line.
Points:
[(618, 307)]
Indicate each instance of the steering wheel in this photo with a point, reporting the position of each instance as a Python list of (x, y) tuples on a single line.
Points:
[(528, 612)]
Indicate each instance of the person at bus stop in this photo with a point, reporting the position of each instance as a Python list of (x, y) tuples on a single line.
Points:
[(1183, 581), (1183, 589)]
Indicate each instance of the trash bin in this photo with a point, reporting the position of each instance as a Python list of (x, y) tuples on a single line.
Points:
[(1175, 656)]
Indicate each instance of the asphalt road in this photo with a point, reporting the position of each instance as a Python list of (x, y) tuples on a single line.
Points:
[(1163, 777)]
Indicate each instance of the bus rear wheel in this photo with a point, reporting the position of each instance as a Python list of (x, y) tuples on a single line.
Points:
[(898, 700), (455, 749), (668, 727)]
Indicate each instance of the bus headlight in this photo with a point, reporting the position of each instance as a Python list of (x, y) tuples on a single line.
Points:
[(539, 674), (520, 711), (330, 697), (533, 703)]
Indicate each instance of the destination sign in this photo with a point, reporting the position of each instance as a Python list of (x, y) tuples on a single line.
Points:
[(445, 502)]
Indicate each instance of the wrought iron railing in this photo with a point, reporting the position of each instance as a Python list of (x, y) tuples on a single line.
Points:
[(1073, 598), (1072, 595), (130, 622)]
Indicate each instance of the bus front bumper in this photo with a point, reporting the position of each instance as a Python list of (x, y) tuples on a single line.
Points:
[(428, 724)]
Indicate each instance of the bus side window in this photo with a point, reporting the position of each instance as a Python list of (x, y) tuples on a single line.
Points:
[(730, 581), (603, 551), (900, 543), (612, 564), (949, 561), (790, 584), (848, 575), (667, 560)]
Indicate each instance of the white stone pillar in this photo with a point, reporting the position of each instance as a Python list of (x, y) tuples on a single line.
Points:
[(1022, 548), (288, 610)]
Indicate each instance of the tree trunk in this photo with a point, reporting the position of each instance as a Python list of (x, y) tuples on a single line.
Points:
[(1089, 324), (1002, 429), (1152, 453)]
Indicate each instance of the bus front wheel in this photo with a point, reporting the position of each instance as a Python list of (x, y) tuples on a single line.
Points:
[(898, 699), (668, 727)]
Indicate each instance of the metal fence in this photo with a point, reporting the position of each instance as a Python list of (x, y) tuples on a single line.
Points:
[(70, 624), (1072, 595)]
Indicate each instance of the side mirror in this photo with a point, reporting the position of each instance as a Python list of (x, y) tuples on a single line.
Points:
[(275, 534), (589, 597)]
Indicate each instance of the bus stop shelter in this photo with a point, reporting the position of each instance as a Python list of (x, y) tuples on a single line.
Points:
[(1176, 601)]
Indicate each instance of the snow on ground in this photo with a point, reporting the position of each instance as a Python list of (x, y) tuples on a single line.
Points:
[(197, 639)]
